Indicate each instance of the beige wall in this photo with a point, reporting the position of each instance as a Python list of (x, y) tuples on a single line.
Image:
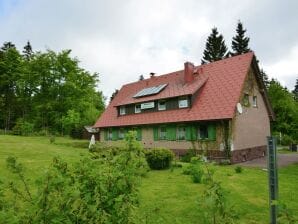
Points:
[(252, 126), (148, 141)]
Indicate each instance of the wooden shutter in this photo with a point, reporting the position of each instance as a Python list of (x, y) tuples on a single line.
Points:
[(191, 132), (155, 133), (171, 133), (212, 132), (114, 134), (106, 135), (139, 134)]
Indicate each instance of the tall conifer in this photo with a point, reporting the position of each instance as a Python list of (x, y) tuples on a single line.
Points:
[(240, 42)]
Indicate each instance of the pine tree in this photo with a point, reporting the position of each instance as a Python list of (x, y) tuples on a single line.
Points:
[(295, 91), (216, 48), (265, 78), (27, 52), (240, 42)]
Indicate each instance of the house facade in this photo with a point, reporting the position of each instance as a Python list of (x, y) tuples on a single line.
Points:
[(220, 108)]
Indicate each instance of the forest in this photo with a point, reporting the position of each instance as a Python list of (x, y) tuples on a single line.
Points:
[(46, 92)]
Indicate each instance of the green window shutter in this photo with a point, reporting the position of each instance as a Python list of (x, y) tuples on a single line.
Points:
[(212, 132), (171, 133), (106, 135), (139, 134), (114, 134), (191, 133), (155, 133)]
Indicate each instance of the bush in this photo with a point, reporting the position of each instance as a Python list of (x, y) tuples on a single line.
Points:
[(194, 169), (238, 169), (191, 152), (159, 158), (93, 190), (23, 128)]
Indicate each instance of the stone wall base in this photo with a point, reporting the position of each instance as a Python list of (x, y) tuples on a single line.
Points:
[(237, 156)]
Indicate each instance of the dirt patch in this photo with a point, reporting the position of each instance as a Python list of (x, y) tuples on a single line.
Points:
[(282, 160)]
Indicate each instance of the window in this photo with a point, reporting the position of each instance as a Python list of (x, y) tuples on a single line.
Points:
[(122, 110), (121, 134), (138, 108), (162, 105), (163, 133), (110, 134), (254, 101), (246, 100), (203, 132), (183, 102), (181, 133)]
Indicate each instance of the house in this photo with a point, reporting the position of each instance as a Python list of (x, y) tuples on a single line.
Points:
[(221, 108)]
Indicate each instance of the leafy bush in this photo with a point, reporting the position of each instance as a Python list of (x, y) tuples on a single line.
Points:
[(191, 152), (159, 158), (238, 169), (94, 190), (23, 128), (194, 169), (286, 140)]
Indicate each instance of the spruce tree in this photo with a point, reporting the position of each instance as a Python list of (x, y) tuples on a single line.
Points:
[(27, 52), (265, 78), (240, 42), (216, 48), (295, 91)]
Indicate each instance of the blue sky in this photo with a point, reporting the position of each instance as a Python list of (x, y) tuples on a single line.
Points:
[(123, 39)]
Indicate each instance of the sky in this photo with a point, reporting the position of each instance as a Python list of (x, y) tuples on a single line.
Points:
[(122, 40)]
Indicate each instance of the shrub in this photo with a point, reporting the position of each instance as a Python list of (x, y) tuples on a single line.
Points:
[(191, 152), (238, 169), (93, 190), (159, 158), (23, 128), (194, 169)]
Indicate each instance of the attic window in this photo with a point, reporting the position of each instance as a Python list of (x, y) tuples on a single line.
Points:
[(162, 105), (138, 108), (150, 91), (122, 110), (183, 102)]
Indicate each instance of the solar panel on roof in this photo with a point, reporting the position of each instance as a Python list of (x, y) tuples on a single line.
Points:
[(150, 91)]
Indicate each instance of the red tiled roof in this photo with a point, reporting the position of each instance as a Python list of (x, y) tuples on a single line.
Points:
[(220, 82)]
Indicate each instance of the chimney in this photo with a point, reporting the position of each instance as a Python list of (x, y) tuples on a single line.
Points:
[(188, 72), (152, 74)]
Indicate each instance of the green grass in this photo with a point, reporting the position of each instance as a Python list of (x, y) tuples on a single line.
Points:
[(165, 196)]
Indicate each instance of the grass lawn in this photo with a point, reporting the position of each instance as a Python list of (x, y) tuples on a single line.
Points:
[(165, 196)]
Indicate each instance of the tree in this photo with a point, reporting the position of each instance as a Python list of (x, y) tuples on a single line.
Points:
[(285, 109), (27, 52), (295, 91), (216, 48), (240, 42), (114, 94), (264, 78)]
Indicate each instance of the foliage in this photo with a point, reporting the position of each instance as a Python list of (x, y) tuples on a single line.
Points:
[(240, 42), (216, 48), (42, 87), (23, 128), (191, 152), (285, 109), (295, 91), (97, 189), (214, 201), (285, 214), (159, 158), (238, 169)]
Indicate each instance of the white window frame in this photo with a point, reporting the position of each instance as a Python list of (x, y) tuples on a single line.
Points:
[(254, 101), (110, 134), (162, 135), (183, 102), (138, 108), (122, 110), (121, 134), (181, 129), (162, 106)]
